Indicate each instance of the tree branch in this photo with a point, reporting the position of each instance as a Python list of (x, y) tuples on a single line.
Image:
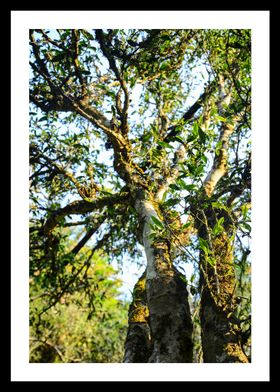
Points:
[(88, 235), (82, 207), (174, 173), (173, 131), (60, 170), (219, 167), (108, 54)]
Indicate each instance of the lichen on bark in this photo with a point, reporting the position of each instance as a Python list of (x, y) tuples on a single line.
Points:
[(220, 331), (137, 345)]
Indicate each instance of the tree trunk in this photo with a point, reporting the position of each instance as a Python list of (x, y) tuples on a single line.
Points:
[(167, 298), (221, 341), (138, 339)]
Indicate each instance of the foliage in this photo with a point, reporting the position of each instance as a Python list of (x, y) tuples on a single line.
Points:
[(68, 331)]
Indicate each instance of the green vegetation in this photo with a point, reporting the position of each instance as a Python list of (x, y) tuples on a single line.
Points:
[(74, 330)]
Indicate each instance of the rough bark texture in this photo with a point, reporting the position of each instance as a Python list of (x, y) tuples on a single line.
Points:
[(170, 320), (137, 345), (220, 341), (220, 330), (167, 297)]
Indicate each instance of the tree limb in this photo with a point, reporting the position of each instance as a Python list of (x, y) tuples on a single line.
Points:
[(82, 207), (219, 167), (108, 54), (173, 131), (174, 173), (100, 219)]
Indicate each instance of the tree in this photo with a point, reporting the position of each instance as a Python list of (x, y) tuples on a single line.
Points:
[(79, 327), (113, 142)]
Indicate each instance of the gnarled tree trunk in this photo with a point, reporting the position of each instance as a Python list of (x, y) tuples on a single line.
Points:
[(220, 328), (167, 299)]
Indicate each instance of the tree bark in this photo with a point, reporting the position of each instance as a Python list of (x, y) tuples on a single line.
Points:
[(138, 339), (221, 341), (167, 297)]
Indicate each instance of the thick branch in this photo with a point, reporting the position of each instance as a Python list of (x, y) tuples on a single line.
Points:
[(174, 173), (138, 339), (219, 167), (81, 207)]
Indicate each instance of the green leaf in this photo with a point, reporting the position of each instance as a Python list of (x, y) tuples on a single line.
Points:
[(218, 147), (202, 135), (182, 184), (146, 137), (165, 145), (178, 139), (218, 228), (218, 205), (164, 196), (246, 226), (174, 187), (203, 244), (191, 167), (186, 225), (204, 158), (157, 222), (85, 72), (44, 118), (195, 128), (163, 66), (220, 118), (182, 277), (211, 261), (165, 37), (199, 170), (172, 202), (190, 187)]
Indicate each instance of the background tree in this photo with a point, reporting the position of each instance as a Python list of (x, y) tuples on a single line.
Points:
[(120, 147), (86, 325)]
